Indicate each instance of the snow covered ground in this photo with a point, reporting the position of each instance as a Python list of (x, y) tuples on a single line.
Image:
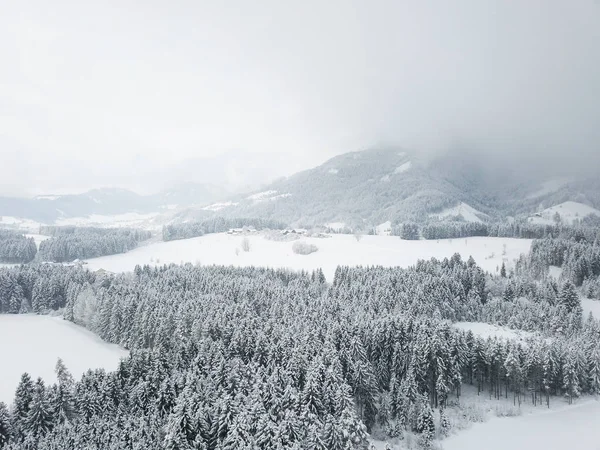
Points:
[(20, 223), (336, 250), (568, 211), (38, 238), (145, 221), (403, 168), (384, 229), (575, 426), (467, 212), (31, 343), (336, 226), (487, 330), (555, 272), (590, 306), (482, 422), (218, 206)]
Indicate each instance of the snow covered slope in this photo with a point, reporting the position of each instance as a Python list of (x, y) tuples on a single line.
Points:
[(467, 212), (403, 168), (549, 187), (32, 344), (568, 211), (336, 250)]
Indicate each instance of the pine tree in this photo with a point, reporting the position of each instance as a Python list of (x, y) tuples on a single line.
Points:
[(569, 297), (444, 424), (39, 418), (570, 378), (594, 371), (503, 270), (425, 424), (22, 403), (5, 425), (61, 398), (509, 293)]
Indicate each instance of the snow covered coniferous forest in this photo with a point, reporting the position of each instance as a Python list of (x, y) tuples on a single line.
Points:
[(225, 357), (283, 225)]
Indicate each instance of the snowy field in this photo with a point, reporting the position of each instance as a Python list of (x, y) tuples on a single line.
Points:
[(488, 330), (567, 427), (31, 343), (225, 249)]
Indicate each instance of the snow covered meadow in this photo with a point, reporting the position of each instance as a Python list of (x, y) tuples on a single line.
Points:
[(32, 343), (225, 249), (574, 426)]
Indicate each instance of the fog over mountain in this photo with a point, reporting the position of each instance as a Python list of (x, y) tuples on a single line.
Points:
[(142, 96)]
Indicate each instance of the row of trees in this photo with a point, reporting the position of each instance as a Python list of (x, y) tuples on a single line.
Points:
[(523, 230), (240, 358), (71, 243), (188, 230), (16, 248)]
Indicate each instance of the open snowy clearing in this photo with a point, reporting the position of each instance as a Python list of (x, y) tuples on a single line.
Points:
[(31, 343), (590, 306), (225, 249), (38, 238), (467, 212), (568, 211), (482, 422), (488, 330), (384, 229), (574, 426)]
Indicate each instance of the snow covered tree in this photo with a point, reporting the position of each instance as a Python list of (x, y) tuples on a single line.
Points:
[(569, 297), (5, 425), (39, 417)]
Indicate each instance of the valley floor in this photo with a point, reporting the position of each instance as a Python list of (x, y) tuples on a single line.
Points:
[(225, 249)]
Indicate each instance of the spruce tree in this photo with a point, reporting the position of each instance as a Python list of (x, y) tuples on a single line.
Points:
[(569, 297), (5, 425), (22, 403), (39, 418)]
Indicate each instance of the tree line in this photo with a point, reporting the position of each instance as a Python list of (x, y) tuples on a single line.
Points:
[(16, 248), (70, 243), (518, 229), (188, 230)]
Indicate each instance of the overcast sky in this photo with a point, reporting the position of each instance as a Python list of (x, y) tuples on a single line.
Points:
[(117, 93)]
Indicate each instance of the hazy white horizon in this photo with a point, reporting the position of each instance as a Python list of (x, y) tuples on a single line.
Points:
[(141, 95)]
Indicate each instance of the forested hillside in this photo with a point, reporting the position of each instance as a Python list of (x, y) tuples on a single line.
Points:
[(366, 188)]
